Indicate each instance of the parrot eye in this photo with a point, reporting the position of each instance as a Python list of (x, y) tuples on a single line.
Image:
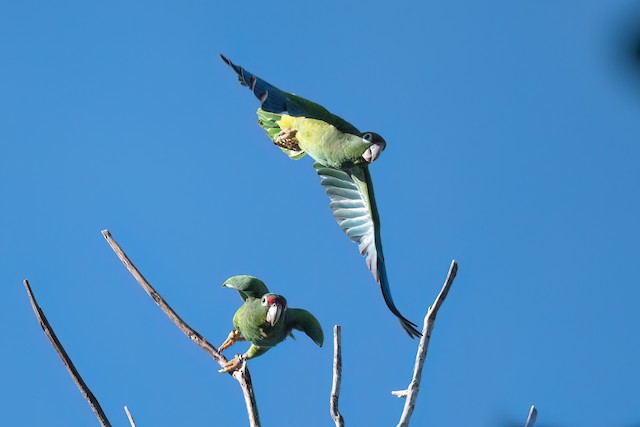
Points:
[(367, 137), (264, 300)]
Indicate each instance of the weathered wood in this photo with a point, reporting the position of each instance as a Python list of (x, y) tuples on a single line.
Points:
[(531, 419), (130, 417), (337, 376), (82, 386), (411, 393), (242, 375)]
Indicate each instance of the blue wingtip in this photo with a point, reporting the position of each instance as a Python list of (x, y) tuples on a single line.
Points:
[(271, 98)]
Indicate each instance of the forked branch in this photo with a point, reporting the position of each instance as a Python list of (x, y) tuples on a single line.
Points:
[(242, 375), (82, 386), (411, 393)]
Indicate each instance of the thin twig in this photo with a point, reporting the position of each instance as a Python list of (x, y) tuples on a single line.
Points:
[(242, 375), (531, 419), (82, 386), (133, 423), (337, 376), (414, 387)]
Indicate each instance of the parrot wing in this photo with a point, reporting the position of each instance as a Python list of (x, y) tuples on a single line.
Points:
[(274, 100), (302, 320), (354, 208), (254, 289), (269, 122)]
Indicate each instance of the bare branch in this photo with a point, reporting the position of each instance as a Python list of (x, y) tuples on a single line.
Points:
[(82, 386), (242, 375), (337, 376), (133, 423), (411, 393), (531, 419)]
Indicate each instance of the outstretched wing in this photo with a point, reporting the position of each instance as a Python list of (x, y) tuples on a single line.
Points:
[(354, 208), (275, 100), (302, 320)]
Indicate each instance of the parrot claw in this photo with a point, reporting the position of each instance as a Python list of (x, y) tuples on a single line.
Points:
[(232, 365), (287, 139), (234, 336)]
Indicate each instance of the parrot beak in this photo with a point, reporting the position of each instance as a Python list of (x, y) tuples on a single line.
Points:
[(372, 153), (273, 313)]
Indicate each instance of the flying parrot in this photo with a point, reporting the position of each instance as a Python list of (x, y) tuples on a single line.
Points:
[(342, 156), (264, 320)]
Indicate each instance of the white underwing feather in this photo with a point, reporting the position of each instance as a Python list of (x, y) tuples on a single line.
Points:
[(351, 209)]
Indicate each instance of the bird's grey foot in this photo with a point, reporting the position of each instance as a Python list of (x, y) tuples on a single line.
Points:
[(234, 337), (287, 139), (232, 365)]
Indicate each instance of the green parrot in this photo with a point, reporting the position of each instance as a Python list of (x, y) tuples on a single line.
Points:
[(264, 320), (342, 156)]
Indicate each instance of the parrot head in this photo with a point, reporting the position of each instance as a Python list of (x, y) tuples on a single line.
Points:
[(377, 144), (275, 306)]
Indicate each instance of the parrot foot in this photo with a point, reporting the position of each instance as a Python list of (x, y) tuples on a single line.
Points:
[(287, 139), (234, 337), (232, 365)]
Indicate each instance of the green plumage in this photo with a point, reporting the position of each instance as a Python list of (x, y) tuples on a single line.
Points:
[(342, 154), (323, 141), (268, 122), (252, 318)]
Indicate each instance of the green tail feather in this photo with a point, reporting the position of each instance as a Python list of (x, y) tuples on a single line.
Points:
[(267, 121)]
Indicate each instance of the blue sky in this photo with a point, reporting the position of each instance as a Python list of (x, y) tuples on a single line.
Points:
[(512, 131)]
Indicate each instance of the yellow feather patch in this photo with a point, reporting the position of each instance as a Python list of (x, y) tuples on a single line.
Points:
[(286, 122)]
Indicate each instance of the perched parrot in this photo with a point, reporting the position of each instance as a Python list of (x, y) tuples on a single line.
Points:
[(342, 155), (264, 320)]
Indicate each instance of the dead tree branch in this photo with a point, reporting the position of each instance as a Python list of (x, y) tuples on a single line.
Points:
[(242, 375), (337, 376), (411, 393), (82, 386), (130, 417), (531, 419)]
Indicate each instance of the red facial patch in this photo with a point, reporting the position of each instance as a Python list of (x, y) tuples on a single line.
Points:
[(272, 299)]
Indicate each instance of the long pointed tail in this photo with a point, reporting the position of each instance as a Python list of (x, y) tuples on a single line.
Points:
[(408, 326), (271, 98)]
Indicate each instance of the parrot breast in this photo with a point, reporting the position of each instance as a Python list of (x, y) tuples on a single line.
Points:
[(328, 145), (253, 322)]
